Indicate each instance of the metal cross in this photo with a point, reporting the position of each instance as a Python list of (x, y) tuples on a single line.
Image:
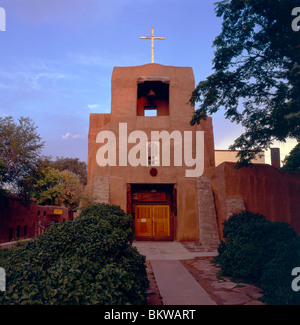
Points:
[(152, 41)]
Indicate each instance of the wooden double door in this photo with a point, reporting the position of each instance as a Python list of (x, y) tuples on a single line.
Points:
[(153, 207), (152, 220)]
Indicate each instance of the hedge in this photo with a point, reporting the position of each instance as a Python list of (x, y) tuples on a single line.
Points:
[(262, 252), (86, 261)]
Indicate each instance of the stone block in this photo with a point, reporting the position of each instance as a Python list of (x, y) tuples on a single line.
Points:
[(208, 230), (101, 189)]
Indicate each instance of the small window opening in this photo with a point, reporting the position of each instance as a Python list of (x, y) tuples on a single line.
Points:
[(153, 153), (150, 112), (18, 231), (10, 234)]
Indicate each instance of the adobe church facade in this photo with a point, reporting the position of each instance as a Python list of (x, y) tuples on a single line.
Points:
[(170, 184), (162, 197)]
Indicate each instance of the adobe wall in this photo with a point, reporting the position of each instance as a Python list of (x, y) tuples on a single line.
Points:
[(14, 214), (261, 189)]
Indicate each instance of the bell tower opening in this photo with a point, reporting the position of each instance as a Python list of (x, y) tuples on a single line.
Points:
[(152, 98)]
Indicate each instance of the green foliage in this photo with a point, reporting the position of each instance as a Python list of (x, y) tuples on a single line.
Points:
[(54, 187), (60, 182), (86, 261), (103, 210), (276, 276), (49, 186), (114, 214), (256, 74), (20, 147), (27, 174), (72, 190), (292, 161), (3, 169), (4, 254), (3, 193), (74, 165), (262, 252)]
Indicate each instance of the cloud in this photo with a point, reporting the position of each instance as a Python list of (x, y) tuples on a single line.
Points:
[(66, 136), (91, 60), (93, 106), (44, 78), (77, 136), (32, 74)]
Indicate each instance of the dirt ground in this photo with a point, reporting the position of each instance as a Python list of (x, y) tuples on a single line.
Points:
[(154, 297)]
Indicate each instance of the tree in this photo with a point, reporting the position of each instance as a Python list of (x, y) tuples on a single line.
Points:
[(72, 191), (2, 169), (256, 78), (73, 165), (49, 186), (20, 148), (55, 187), (3, 192), (292, 161)]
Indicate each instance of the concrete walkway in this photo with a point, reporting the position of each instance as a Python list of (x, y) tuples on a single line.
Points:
[(176, 285)]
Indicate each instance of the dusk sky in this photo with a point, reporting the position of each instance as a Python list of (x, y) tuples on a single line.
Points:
[(57, 57)]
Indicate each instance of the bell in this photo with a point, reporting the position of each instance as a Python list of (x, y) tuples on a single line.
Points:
[(151, 93)]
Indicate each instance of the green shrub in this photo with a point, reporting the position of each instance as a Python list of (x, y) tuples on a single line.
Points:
[(243, 253), (102, 210), (261, 251), (4, 253), (113, 213), (86, 261), (276, 277)]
